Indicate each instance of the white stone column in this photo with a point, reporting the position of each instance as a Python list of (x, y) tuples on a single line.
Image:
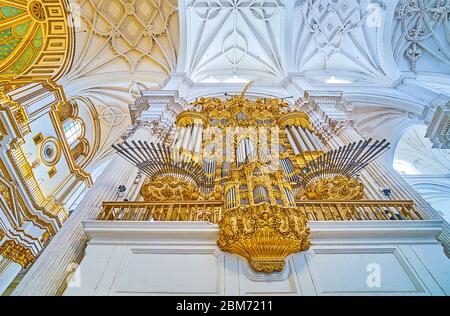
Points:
[(378, 175), (8, 272), (48, 276)]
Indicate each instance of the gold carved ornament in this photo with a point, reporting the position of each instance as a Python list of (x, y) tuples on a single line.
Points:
[(169, 189), (339, 188), (264, 234), (17, 253), (239, 111)]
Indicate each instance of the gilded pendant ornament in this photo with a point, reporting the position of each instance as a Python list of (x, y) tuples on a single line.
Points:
[(264, 234)]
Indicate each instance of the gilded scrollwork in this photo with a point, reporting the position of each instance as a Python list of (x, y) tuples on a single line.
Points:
[(339, 188), (17, 253), (169, 189), (240, 111)]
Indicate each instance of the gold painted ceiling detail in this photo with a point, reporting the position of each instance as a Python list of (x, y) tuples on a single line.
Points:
[(35, 38)]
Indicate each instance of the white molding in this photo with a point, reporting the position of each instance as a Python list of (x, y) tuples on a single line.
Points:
[(322, 233)]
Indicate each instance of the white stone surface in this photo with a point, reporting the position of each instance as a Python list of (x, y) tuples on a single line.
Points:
[(181, 258)]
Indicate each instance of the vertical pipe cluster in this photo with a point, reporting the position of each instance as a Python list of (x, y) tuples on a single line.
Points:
[(245, 152), (231, 198), (303, 140), (290, 197), (261, 195), (188, 139)]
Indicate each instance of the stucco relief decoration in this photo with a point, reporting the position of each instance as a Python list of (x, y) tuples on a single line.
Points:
[(338, 27), (423, 28), (246, 21), (135, 29)]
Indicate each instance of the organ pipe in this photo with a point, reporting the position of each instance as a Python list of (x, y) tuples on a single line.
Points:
[(305, 138), (292, 142), (301, 144)]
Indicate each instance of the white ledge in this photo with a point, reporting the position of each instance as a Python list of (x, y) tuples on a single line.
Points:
[(322, 233)]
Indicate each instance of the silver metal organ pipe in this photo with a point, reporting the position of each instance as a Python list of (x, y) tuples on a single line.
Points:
[(292, 142), (175, 138), (180, 138), (193, 138), (312, 140), (248, 150), (187, 137), (199, 140), (321, 146), (298, 139), (241, 153), (290, 196), (288, 167), (306, 139)]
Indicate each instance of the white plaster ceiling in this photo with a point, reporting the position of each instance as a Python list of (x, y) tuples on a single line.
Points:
[(337, 37), (418, 151), (421, 36), (234, 40), (121, 45), (287, 46), (427, 169)]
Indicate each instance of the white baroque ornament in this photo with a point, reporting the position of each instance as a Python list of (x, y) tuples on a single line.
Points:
[(338, 36), (333, 20), (423, 27), (261, 9), (239, 24)]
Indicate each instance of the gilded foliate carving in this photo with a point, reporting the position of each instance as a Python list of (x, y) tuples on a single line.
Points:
[(17, 253), (264, 234), (339, 188), (169, 189), (6, 194), (239, 111)]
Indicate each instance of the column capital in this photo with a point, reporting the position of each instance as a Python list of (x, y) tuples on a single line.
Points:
[(334, 111), (439, 128), (156, 105)]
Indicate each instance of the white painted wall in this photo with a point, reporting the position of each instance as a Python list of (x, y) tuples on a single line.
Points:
[(182, 258)]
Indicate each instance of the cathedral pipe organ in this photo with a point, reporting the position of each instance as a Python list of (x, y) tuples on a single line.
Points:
[(249, 214), (211, 194), (258, 159)]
